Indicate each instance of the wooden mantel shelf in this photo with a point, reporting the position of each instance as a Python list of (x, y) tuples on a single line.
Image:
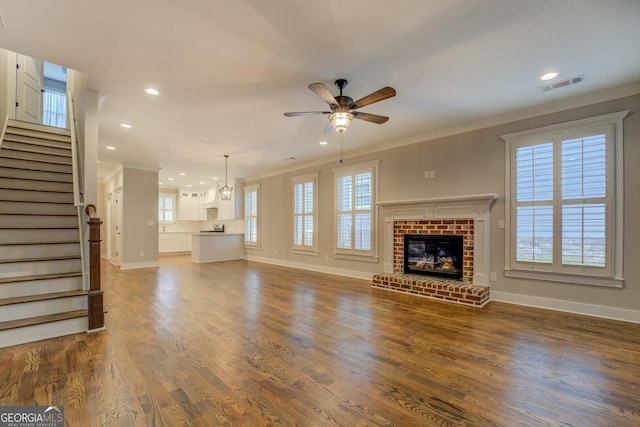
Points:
[(485, 199)]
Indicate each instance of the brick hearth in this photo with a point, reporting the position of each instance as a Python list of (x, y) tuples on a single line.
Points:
[(433, 287)]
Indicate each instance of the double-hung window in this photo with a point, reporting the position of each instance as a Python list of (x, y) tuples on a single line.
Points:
[(355, 214), (54, 106), (166, 207), (251, 216), (305, 206), (564, 194)]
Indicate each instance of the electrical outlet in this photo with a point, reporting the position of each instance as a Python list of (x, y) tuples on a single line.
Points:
[(492, 276), (432, 174), (426, 174), (501, 223), (141, 254)]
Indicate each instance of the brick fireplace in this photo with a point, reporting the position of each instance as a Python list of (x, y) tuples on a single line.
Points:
[(468, 216)]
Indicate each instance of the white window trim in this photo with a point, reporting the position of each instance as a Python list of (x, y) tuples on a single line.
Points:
[(615, 278), (302, 249), (353, 254), (246, 190), (174, 208)]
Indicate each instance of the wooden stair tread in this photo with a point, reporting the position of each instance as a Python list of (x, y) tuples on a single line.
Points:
[(36, 214), (34, 179), (34, 170), (36, 201), (41, 297), (4, 280), (53, 258), (35, 151), (39, 191), (36, 127), (52, 242), (33, 321), (18, 157)]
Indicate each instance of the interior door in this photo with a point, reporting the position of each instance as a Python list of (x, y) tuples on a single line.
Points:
[(29, 82)]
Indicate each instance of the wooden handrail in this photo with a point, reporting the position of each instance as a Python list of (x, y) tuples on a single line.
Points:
[(96, 306)]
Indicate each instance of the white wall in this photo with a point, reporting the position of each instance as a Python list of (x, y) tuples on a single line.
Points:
[(140, 218), (467, 163)]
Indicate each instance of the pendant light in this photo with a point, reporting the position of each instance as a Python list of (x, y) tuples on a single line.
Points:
[(225, 192)]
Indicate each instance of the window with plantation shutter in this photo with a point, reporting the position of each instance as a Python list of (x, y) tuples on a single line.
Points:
[(166, 207), (565, 202), (305, 202), (355, 190), (251, 216)]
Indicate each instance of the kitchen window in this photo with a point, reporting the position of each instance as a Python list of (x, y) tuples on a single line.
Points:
[(564, 199), (305, 206), (166, 207), (355, 216), (251, 216)]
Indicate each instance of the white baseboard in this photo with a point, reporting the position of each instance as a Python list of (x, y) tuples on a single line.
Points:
[(568, 306), (134, 265), (337, 271)]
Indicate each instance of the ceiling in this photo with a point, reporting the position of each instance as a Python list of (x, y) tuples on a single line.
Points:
[(228, 70)]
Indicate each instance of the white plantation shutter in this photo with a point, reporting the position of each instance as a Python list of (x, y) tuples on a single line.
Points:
[(251, 218), (566, 202), (584, 200), (355, 200), (534, 203), (166, 208), (304, 211)]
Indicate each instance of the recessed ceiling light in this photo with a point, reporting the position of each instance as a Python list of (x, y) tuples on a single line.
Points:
[(323, 142), (549, 76), (183, 174), (125, 125), (215, 178), (201, 182), (152, 91), (189, 186), (170, 179), (109, 147)]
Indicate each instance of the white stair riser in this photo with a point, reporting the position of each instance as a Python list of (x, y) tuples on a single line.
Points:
[(28, 165), (27, 236), (22, 184), (37, 208), (25, 155), (39, 250), (42, 308), (37, 287), (13, 136), (43, 331), (35, 196), (28, 174), (38, 221), (28, 127), (21, 269), (36, 148)]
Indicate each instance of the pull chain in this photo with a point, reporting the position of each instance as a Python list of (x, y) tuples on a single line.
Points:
[(341, 148)]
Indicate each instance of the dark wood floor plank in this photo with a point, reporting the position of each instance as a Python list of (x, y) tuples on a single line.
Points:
[(241, 343)]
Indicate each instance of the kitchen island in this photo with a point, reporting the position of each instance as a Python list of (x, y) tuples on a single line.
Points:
[(214, 247)]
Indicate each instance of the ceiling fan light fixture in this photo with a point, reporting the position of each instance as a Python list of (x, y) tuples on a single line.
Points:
[(225, 192), (340, 120)]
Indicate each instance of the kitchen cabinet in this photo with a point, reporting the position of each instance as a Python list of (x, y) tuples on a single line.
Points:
[(190, 207), (174, 242), (214, 247)]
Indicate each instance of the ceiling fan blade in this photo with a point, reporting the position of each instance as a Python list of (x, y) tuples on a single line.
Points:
[(305, 113), (329, 128), (373, 118), (322, 91), (377, 96)]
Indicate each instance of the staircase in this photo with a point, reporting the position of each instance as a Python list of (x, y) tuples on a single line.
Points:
[(41, 283)]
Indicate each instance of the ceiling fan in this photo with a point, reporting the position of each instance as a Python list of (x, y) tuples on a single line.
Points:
[(343, 107)]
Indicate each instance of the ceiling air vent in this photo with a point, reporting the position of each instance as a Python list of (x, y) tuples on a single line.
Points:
[(563, 83)]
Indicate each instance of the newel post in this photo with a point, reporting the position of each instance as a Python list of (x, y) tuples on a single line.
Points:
[(96, 311)]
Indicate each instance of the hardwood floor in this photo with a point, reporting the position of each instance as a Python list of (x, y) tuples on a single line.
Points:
[(242, 343)]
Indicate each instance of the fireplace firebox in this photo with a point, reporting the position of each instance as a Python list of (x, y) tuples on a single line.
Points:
[(434, 255)]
